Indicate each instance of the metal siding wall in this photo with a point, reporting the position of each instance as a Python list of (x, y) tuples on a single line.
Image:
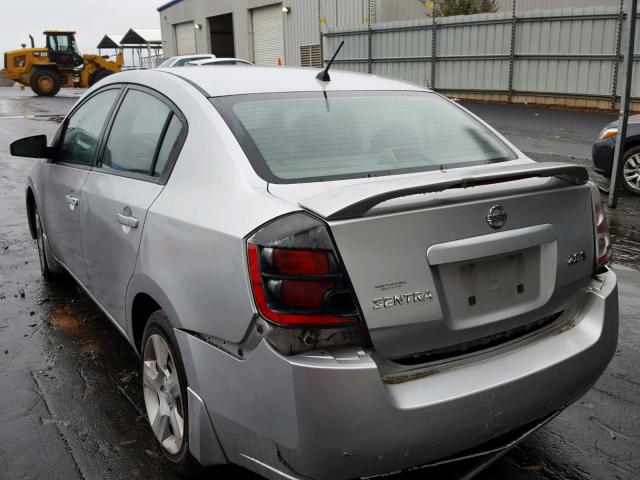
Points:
[(568, 51), (523, 5), (409, 43), (301, 27), (167, 37), (402, 45), (566, 36), (472, 75), (467, 40), (342, 14), (355, 49)]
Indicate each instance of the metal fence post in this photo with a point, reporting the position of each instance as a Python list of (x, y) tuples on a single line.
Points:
[(512, 51), (434, 59), (369, 69), (616, 62), (321, 35), (370, 13)]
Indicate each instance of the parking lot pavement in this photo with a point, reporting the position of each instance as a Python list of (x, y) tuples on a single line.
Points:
[(70, 396), (544, 131)]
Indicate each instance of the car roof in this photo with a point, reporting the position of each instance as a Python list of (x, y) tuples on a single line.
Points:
[(240, 80)]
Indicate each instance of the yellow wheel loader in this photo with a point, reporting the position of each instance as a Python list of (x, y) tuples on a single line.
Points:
[(57, 65)]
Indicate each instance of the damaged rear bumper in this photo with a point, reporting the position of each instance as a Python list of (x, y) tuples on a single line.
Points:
[(329, 414)]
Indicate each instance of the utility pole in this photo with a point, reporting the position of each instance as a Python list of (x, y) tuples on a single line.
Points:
[(623, 119)]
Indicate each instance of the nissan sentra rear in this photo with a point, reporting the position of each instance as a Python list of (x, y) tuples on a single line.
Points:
[(326, 276), (433, 295)]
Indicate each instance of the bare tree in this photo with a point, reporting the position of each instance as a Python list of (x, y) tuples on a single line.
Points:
[(446, 8)]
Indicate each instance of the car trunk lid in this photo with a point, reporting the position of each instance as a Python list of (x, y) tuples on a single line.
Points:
[(431, 273)]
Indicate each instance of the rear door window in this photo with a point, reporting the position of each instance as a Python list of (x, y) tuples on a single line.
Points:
[(136, 132), (168, 143), (83, 129)]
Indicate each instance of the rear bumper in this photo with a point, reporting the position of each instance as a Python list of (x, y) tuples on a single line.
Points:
[(329, 414)]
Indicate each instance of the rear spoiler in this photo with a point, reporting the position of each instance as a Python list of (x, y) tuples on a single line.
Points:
[(355, 200)]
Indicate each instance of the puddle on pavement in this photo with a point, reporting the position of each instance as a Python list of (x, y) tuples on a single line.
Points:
[(72, 316), (49, 118), (624, 228), (74, 320), (45, 117), (625, 238)]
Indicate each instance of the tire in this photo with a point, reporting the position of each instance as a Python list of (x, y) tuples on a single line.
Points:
[(631, 170), (160, 391), (45, 82), (48, 273), (99, 75)]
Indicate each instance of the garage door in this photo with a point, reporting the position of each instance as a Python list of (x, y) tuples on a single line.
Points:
[(268, 35), (185, 38)]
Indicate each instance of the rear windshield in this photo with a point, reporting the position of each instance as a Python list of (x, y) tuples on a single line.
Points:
[(303, 137)]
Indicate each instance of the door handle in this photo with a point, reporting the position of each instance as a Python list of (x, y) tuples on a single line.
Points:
[(71, 200), (127, 220)]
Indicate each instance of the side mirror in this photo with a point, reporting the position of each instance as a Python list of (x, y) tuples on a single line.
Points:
[(34, 147)]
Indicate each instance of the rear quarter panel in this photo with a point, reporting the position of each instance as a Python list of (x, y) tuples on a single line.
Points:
[(192, 251)]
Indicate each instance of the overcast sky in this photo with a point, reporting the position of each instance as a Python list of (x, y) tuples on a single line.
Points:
[(91, 19)]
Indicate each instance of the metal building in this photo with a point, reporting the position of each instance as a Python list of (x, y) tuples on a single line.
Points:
[(256, 30)]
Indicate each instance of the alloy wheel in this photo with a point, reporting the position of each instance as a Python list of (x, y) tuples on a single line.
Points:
[(632, 172), (162, 394)]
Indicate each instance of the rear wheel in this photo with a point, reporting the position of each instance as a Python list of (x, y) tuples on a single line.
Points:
[(165, 393), (631, 171), (99, 75), (45, 83)]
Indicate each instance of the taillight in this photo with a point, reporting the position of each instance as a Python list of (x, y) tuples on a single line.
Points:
[(296, 276), (301, 262), (601, 230)]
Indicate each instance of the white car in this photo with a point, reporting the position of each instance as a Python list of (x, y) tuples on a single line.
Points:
[(217, 61), (182, 60), (325, 277)]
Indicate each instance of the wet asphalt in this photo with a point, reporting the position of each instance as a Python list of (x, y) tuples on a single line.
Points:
[(70, 392)]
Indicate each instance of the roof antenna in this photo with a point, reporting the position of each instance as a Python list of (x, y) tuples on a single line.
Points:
[(323, 76)]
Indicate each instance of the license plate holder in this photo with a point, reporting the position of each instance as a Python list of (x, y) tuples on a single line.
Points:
[(487, 285)]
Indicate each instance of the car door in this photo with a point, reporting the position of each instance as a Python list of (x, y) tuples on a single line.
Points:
[(65, 175), (130, 173)]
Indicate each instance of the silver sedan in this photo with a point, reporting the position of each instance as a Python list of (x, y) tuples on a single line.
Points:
[(325, 277)]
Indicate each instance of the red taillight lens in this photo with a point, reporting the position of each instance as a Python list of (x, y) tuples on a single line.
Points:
[(304, 293), (301, 262), (601, 231), (295, 276), (289, 318)]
